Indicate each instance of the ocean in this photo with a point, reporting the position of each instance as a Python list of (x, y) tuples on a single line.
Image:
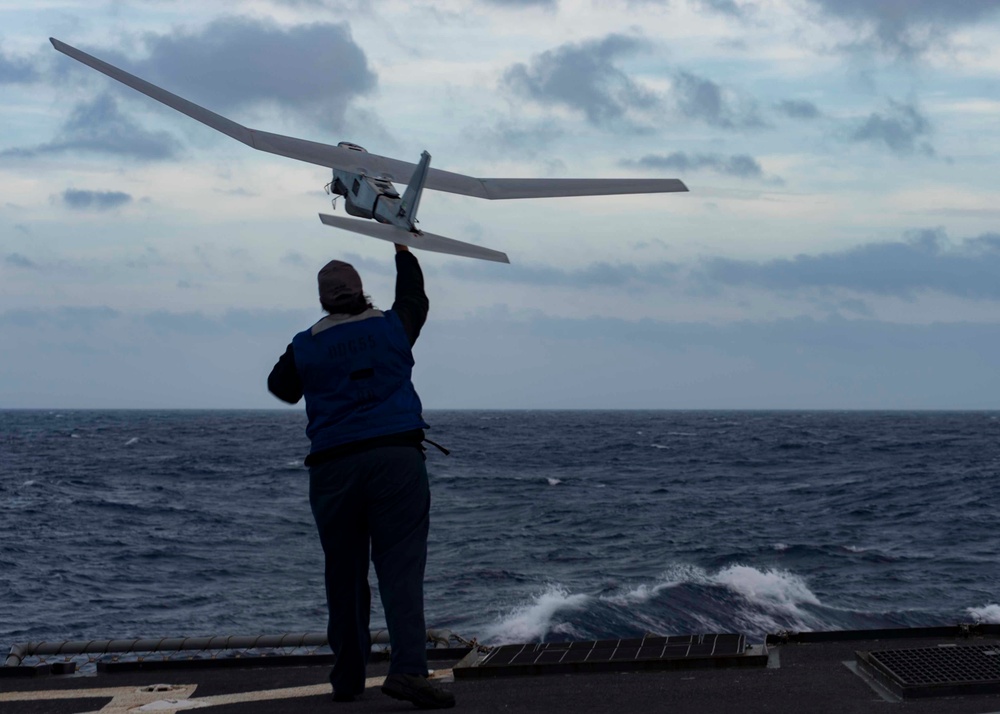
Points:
[(546, 525)]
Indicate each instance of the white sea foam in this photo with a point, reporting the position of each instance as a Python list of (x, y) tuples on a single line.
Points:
[(989, 614), (781, 546), (774, 598), (532, 621), (771, 588), (554, 481), (637, 595), (674, 576), (133, 440), (74, 436), (29, 483), (659, 446)]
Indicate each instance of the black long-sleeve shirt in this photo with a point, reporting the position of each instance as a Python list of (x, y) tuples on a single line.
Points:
[(411, 305)]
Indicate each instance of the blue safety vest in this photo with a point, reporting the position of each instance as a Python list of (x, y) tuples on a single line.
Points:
[(355, 373)]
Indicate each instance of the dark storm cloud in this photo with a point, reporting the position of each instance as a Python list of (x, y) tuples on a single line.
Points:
[(99, 126), (314, 69), (704, 100), (900, 129), (739, 165), (16, 260), (583, 77), (925, 261), (97, 200), (798, 109), (16, 71), (908, 27)]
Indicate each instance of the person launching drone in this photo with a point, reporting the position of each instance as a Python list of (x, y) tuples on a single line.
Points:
[(368, 485)]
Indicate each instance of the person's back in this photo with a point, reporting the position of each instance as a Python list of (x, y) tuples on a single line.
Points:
[(368, 484)]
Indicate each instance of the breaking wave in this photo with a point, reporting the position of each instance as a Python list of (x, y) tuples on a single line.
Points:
[(989, 614), (685, 599)]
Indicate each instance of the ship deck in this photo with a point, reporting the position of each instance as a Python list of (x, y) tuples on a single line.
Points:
[(811, 672)]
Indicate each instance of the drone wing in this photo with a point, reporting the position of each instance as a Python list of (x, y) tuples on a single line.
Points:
[(496, 188), (421, 240), (336, 157)]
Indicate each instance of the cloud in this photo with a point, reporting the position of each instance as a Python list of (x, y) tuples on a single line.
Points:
[(294, 258), (583, 77), (85, 318), (16, 260), (16, 71), (791, 363), (98, 200), (908, 27), (703, 100), (738, 165), (726, 7), (500, 360), (798, 109), (548, 4), (899, 129), (100, 127), (236, 62), (514, 135), (595, 275), (924, 261)]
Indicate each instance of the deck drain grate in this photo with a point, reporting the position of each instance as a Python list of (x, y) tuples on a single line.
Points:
[(936, 671), (674, 652)]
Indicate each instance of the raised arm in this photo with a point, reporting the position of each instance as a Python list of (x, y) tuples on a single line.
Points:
[(411, 302)]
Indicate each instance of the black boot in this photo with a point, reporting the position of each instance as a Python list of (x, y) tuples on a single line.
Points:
[(418, 690)]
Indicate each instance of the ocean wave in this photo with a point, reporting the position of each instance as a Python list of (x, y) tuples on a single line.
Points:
[(685, 599), (533, 621), (989, 614)]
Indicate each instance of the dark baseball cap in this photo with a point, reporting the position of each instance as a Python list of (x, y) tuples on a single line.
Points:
[(339, 282)]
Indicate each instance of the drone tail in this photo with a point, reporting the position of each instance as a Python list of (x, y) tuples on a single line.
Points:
[(411, 196), (415, 239)]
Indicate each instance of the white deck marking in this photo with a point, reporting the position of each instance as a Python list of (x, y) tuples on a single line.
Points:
[(173, 698), (123, 699)]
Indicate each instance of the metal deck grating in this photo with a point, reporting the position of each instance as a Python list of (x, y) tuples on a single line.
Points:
[(936, 671), (616, 655)]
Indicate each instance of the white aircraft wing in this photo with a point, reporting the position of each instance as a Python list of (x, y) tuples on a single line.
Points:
[(336, 157), (495, 188), (422, 240)]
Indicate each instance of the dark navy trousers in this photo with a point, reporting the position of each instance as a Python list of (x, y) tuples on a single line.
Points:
[(373, 505)]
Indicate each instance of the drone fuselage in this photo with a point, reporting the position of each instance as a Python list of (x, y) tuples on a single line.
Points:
[(366, 196), (375, 197)]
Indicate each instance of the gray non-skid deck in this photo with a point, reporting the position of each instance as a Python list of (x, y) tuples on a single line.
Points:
[(815, 672)]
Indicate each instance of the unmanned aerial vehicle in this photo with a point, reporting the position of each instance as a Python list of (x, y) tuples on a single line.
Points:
[(365, 179)]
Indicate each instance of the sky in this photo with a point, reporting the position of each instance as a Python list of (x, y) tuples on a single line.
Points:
[(839, 247)]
